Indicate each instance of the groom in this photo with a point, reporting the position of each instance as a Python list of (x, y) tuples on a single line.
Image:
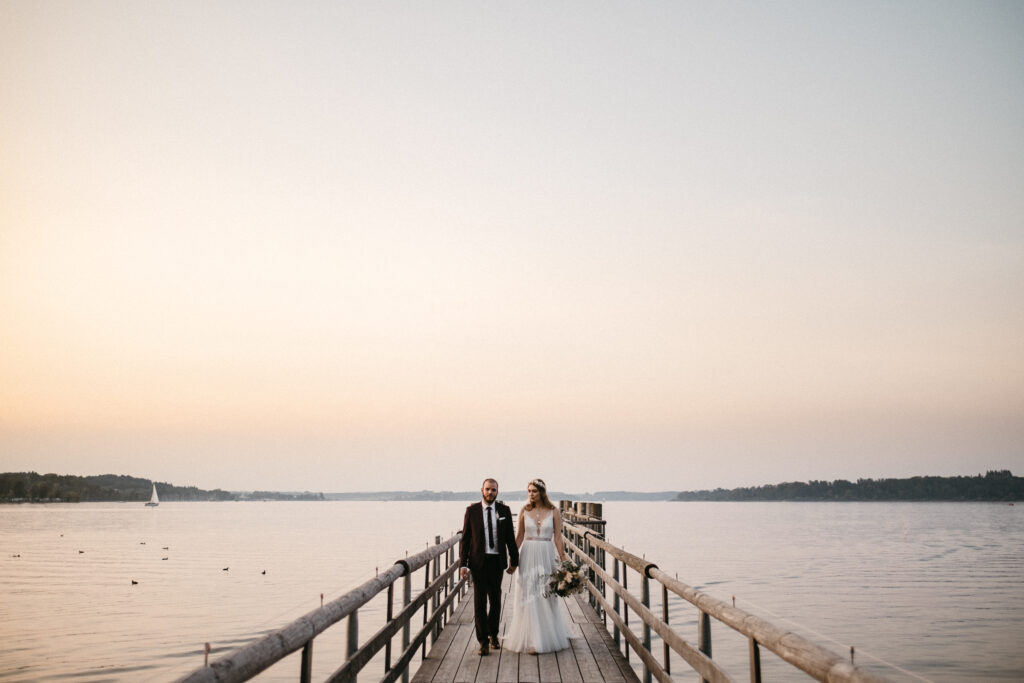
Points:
[(487, 532)]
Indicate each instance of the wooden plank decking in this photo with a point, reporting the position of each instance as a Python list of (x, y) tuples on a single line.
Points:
[(592, 657)]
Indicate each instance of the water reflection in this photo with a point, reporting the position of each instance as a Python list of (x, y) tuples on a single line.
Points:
[(933, 588)]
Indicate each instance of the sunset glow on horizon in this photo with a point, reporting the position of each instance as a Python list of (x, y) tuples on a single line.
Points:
[(657, 247)]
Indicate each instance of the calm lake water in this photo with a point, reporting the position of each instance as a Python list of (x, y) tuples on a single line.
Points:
[(931, 591)]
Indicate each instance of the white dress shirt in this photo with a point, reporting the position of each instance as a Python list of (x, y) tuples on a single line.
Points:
[(489, 548)]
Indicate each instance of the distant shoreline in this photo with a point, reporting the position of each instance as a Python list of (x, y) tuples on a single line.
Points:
[(994, 486)]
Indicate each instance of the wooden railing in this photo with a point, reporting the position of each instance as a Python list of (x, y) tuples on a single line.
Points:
[(440, 593), (589, 547)]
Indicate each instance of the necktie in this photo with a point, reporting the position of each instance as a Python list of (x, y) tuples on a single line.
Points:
[(490, 531)]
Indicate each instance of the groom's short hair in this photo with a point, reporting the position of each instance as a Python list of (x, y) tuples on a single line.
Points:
[(487, 480)]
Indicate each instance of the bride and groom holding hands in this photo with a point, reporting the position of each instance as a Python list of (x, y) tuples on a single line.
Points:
[(529, 550)]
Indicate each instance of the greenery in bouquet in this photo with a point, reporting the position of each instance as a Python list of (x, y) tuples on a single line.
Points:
[(567, 579)]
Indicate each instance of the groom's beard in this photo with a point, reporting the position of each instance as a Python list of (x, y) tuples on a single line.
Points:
[(490, 499)]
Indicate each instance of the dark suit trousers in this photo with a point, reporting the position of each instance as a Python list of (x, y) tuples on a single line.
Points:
[(487, 589)]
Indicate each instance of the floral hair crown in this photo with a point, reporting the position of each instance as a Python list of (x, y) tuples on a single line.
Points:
[(539, 483)]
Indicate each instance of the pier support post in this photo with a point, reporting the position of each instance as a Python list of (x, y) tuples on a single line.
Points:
[(755, 662), (406, 630), (436, 600), (704, 635), (449, 560), (590, 572), (387, 618), (426, 607), (353, 637), (625, 607), (615, 603), (645, 600), (664, 617), (306, 672)]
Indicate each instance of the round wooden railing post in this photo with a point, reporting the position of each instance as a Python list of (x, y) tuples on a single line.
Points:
[(389, 615), (625, 607), (704, 635), (615, 575), (645, 600), (664, 617), (604, 589), (426, 610), (755, 661), (406, 630), (436, 600), (306, 672), (590, 574), (352, 644), (449, 559)]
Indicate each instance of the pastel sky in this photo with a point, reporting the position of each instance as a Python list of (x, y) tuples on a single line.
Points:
[(345, 246)]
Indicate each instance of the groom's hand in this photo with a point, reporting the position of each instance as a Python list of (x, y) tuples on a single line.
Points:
[(511, 570), (463, 572)]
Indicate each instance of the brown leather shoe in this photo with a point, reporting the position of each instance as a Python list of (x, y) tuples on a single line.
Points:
[(484, 649), (495, 643)]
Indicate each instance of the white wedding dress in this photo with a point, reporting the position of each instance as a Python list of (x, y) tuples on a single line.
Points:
[(538, 624)]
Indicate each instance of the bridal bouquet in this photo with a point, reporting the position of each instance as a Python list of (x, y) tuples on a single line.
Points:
[(568, 578)]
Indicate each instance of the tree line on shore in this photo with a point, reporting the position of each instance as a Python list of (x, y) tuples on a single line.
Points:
[(31, 487), (998, 485), (995, 485), (16, 487)]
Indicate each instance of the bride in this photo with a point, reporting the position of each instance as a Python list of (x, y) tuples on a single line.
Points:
[(539, 624)]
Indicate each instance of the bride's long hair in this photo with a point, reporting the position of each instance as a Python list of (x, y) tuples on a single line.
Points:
[(542, 491)]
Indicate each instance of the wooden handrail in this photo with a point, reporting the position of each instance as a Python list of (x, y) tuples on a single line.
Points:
[(365, 653), (249, 660), (819, 662)]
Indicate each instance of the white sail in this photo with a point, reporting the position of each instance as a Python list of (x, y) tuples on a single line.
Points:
[(153, 500)]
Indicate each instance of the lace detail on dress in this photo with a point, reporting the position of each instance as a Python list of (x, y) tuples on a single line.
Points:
[(533, 576), (544, 531)]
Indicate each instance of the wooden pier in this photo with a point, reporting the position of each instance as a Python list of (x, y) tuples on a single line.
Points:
[(443, 614), (592, 657)]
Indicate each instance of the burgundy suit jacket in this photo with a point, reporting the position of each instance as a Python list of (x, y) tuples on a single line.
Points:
[(473, 547)]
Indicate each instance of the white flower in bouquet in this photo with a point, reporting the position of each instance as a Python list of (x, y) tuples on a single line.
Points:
[(566, 579)]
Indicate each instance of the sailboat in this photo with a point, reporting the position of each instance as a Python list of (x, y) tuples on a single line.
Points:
[(153, 500)]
